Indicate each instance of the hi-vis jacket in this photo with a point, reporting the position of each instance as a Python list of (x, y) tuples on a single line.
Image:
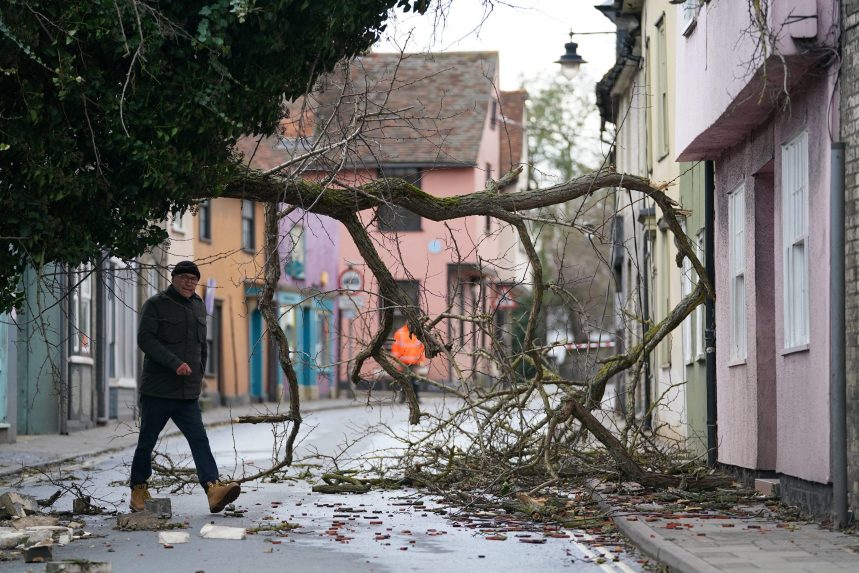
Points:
[(407, 348)]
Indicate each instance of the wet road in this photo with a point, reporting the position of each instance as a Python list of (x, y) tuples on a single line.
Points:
[(378, 531)]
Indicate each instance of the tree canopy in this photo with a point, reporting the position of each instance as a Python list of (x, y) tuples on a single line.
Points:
[(116, 113)]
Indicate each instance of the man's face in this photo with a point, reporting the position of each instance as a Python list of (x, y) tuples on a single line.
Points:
[(185, 283)]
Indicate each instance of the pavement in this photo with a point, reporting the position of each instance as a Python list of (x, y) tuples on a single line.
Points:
[(738, 540)]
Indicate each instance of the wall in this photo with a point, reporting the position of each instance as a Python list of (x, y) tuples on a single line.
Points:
[(408, 256), (234, 270), (780, 423), (720, 85), (850, 135)]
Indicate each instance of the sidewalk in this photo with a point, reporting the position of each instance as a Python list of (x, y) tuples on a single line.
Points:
[(741, 540), (45, 450)]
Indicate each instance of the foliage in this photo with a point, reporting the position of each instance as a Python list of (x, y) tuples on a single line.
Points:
[(573, 239), (561, 143), (116, 113)]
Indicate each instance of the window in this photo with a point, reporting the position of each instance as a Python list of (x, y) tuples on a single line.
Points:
[(204, 218), (488, 226), (81, 310), (122, 321), (661, 88), (794, 229), (686, 290), (248, 225), (412, 290), (699, 310), (178, 222), (664, 277), (689, 12), (394, 217), (737, 265), (295, 259), (493, 117), (213, 336), (153, 282)]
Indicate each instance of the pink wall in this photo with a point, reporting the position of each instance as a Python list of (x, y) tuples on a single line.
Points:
[(773, 411), (408, 256), (714, 74)]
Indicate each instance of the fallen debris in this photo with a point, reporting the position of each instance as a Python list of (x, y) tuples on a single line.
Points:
[(14, 504), (210, 531), (78, 566), (160, 506), (144, 521), (34, 520), (39, 553), (173, 537)]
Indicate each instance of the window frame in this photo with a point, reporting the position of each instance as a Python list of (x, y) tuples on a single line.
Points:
[(700, 316), (389, 215), (737, 273), (297, 252), (122, 312), (248, 210), (204, 228), (686, 290), (689, 16), (661, 57), (795, 236), (81, 310)]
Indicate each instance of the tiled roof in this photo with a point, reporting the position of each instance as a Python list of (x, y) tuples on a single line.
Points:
[(420, 109)]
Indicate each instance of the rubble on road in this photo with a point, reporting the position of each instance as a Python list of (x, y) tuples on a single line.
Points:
[(78, 566), (144, 521), (210, 531), (16, 505), (173, 537)]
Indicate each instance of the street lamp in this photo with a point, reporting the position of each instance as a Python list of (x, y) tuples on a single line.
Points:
[(571, 61)]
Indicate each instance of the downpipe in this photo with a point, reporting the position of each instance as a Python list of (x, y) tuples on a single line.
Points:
[(837, 339)]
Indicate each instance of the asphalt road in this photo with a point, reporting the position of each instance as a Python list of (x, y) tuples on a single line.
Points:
[(378, 531)]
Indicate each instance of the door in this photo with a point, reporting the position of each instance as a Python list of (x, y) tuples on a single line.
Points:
[(257, 348)]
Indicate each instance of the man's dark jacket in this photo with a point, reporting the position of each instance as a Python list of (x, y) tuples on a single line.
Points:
[(172, 331)]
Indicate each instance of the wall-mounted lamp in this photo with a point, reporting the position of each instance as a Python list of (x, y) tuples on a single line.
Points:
[(571, 61)]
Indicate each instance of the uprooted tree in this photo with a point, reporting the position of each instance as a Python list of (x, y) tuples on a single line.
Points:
[(126, 119)]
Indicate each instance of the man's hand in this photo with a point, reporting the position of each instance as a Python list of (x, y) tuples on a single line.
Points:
[(183, 370)]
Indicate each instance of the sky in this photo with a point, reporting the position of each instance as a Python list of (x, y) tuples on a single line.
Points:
[(528, 34)]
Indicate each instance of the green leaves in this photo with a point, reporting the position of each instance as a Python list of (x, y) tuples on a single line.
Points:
[(114, 117)]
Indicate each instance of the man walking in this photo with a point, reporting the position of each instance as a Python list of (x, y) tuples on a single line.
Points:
[(172, 336)]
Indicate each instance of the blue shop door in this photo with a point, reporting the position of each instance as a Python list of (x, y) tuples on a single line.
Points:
[(256, 359), (305, 372)]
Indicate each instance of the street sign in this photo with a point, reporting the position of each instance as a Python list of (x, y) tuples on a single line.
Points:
[(351, 280)]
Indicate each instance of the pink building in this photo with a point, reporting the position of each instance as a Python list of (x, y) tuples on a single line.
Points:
[(763, 108), (438, 122)]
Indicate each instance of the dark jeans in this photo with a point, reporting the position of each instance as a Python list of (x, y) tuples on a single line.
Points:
[(186, 414)]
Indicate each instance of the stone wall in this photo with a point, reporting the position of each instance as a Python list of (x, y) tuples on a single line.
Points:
[(850, 135)]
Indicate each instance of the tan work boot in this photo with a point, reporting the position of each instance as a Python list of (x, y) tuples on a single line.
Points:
[(220, 494), (139, 495)]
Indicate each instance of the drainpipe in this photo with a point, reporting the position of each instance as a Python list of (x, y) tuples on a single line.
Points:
[(710, 310), (101, 391), (837, 375), (64, 366), (645, 324)]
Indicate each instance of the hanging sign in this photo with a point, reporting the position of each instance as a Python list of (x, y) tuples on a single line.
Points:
[(351, 280)]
